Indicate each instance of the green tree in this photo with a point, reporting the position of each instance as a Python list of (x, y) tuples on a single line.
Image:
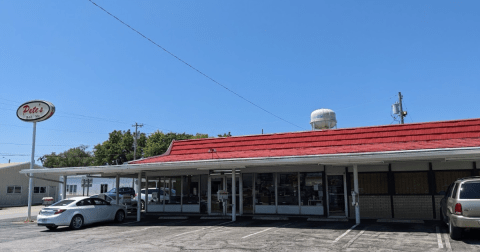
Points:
[(74, 157), (158, 142), (225, 135), (119, 148)]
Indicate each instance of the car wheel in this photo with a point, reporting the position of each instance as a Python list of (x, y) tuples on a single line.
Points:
[(77, 222), (120, 216), (52, 227), (455, 232), (143, 205)]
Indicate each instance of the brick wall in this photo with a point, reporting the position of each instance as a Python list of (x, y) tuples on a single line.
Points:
[(413, 207), (372, 207)]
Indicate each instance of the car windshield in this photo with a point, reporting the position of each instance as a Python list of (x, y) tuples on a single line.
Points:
[(470, 190), (63, 203), (114, 190)]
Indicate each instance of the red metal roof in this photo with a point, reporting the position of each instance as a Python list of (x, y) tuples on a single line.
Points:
[(416, 136)]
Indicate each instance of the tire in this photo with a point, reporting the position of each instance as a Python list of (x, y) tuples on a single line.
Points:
[(52, 227), (77, 222), (143, 205), (455, 232), (120, 216)]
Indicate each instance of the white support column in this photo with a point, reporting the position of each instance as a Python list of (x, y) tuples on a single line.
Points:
[(117, 186), (240, 192), (234, 196), (139, 195), (64, 192), (209, 206), (355, 186), (146, 193)]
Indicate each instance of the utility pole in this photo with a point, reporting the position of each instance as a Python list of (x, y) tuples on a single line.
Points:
[(135, 147), (135, 139), (402, 113)]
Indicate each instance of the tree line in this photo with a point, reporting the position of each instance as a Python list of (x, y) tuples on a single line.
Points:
[(118, 149)]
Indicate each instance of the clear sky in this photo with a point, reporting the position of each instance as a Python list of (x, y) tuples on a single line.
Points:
[(287, 57)]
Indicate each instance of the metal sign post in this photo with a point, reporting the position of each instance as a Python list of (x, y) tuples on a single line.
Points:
[(34, 111), (30, 180)]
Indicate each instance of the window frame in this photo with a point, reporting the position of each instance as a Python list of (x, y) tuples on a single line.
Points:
[(39, 189), (14, 189)]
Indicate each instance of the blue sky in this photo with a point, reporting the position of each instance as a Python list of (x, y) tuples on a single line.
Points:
[(288, 57)]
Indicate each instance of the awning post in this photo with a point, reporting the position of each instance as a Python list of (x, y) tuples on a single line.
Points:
[(117, 183), (356, 195), (64, 192), (234, 196), (139, 195)]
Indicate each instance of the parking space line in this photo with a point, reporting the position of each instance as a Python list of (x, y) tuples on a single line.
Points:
[(346, 232), (353, 239), (204, 228), (439, 238), (266, 230), (447, 242)]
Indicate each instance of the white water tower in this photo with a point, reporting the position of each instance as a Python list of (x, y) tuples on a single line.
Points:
[(323, 119)]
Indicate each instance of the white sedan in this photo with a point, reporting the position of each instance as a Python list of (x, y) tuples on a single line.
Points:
[(75, 212)]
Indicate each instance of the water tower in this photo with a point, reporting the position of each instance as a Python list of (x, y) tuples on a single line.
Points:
[(323, 119)]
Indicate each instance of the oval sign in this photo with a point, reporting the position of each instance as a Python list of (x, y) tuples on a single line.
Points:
[(35, 111)]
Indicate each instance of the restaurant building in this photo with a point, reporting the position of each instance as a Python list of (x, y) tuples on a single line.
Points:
[(387, 172)]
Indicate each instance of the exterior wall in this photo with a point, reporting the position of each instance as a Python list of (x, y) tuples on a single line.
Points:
[(10, 176), (96, 185), (413, 207), (372, 207)]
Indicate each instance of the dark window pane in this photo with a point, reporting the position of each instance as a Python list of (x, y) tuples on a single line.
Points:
[(265, 189), (36, 189), (18, 189), (455, 189), (10, 189), (445, 178), (411, 183), (470, 190), (287, 188), (63, 203), (371, 183)]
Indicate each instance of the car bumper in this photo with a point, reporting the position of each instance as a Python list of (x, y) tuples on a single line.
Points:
[(53, 220), (465, 222)]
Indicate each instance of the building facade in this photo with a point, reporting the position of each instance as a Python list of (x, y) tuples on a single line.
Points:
[(394, 171), (14, 186)]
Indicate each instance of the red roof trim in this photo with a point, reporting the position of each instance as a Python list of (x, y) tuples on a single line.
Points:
[(430, 135)]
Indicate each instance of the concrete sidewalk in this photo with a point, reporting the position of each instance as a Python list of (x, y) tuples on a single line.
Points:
[(18, 212)]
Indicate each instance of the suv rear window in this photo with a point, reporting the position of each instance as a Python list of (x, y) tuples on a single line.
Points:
[(470, 190)]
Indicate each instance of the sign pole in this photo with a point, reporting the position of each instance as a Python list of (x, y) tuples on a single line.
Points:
[(30, 180)]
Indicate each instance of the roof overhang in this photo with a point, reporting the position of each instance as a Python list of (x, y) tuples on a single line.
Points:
[(447, 154)]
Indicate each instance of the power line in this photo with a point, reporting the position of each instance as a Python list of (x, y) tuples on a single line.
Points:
[(192, 67)]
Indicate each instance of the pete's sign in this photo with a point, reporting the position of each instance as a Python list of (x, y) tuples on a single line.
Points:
[(35, 111)]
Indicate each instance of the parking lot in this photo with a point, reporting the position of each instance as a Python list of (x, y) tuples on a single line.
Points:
[(153, 234)]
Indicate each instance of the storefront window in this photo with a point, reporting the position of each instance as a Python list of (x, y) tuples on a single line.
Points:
[(287, 188), (444, 178), (371, 183), (203, 193), (265, 189), (191, 189), (311, 185), (247, 181), (172, 190), (411, 183)]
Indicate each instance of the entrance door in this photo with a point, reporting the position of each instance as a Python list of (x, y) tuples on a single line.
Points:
[(231, 194), (336, 195), (216, 185)]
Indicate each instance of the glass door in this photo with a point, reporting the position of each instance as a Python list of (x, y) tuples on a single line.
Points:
[(234, 194), (216, 185), (336, 195)]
